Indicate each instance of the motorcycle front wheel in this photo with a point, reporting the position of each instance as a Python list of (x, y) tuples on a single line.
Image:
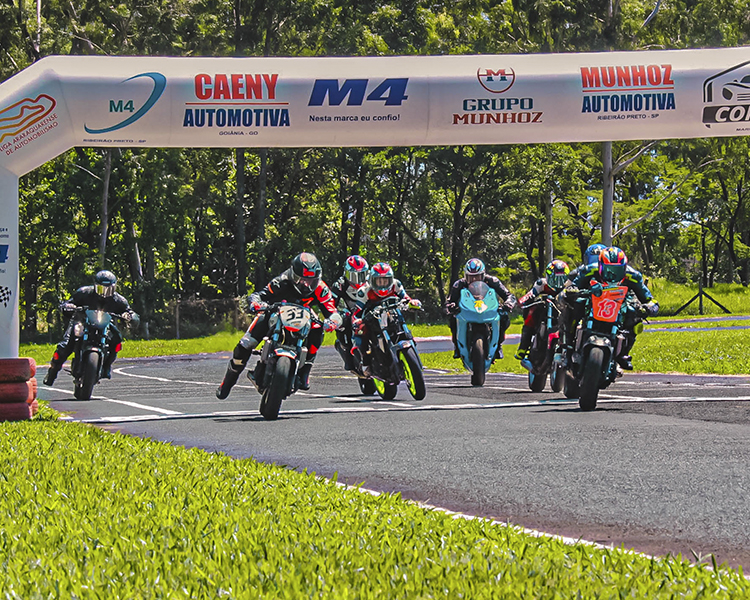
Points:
[(537, 382), (366, 386), (557, 378), (89, 372), (413, 373), (477, 362), (270, 402), (592, 372), (387, 391)]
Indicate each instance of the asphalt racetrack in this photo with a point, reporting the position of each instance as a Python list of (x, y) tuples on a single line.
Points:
[(662, 465)]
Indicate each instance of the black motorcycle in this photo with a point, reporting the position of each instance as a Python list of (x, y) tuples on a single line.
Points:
[(91, 348), (393, 355), (284, 350), (343, 346), (544, 344)]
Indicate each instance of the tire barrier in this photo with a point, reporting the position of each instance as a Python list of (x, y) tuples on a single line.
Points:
[(18, 389)]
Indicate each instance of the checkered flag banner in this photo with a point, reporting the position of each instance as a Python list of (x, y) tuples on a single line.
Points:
[(5, 294)]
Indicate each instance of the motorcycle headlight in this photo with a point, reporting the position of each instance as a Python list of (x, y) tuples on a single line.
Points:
[(78, 329)]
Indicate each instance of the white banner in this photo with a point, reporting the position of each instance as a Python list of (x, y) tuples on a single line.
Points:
[(61, 102)]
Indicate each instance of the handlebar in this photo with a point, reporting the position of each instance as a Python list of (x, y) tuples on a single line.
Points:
[(277, 305)]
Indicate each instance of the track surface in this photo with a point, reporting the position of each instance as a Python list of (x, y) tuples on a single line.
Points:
[(661, 466)]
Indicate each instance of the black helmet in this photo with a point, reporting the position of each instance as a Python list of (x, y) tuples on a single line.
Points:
[(306, 272), (105, 283)]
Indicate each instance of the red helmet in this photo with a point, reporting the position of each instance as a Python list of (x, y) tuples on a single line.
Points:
[(612, 265), (356, 271), (382, 279)]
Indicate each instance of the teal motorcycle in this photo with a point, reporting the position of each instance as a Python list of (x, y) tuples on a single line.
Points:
[(478, 329)]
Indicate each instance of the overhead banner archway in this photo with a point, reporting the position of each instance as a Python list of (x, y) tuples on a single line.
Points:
[(62, 102)]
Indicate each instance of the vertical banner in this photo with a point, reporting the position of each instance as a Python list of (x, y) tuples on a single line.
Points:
[(9, 323)]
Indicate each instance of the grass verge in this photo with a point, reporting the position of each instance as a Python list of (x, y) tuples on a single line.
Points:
[(91, 514)]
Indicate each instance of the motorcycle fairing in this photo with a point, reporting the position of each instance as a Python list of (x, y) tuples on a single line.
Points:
[(606, 307), (478, 307)]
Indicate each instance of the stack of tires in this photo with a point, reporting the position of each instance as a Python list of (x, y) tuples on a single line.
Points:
[(17, 389)]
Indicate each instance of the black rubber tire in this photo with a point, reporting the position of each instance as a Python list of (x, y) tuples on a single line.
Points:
[(592, 372), (477, 362), (270, 403), (410, 363), (366, 386), (537, 382), (90, 370), (387, 391), (571, 389), (557, 378)]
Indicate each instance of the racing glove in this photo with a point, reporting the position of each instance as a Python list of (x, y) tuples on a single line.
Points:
[(415, 304), (332, 323), (597, 289), (451, 308), (651, 308)]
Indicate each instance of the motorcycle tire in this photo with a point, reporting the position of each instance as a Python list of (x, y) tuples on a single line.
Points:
[(537, 382), (270, 402), (89, 377), (413, 373), (477, 362), (571, 388), (366, 386), (557, 378), (387, 391), (592, 372)]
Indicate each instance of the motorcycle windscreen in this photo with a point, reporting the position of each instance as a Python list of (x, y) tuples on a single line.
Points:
[(607, 306)]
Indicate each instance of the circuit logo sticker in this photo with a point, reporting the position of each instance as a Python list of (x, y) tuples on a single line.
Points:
[(24, 114), (498, 81), (160, 82), (726, 96)]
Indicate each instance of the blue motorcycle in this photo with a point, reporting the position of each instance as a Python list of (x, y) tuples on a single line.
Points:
[(478, 329)]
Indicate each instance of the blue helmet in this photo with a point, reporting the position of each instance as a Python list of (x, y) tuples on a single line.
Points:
[(474, 270), (592, 253)]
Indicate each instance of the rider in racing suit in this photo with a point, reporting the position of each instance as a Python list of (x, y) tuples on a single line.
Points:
[(351, 290), (612, 269), (300, 284)]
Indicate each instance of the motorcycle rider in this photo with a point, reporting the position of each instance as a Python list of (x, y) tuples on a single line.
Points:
[(611, 269), (555, 276), (301, 284), (474, 270), (351, 289), (590, 256), (100, 296), (382, 284)]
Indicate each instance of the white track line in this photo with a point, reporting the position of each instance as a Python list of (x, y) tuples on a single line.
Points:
[(156, 409)]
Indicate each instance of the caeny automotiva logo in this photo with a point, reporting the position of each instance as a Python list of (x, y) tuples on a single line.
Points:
[(160, 82), (24, 114), (726, 97)]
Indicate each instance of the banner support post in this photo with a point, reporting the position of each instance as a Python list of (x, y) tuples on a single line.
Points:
[(9, 276)]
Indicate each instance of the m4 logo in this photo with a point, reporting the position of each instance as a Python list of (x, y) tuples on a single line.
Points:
[(391, 91), (121, 105)]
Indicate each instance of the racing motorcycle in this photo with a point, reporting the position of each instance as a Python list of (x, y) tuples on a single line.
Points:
[(91, 348), (544, 345), (343, 346), (598, 341), (282, 354), (478, 329), (393, 352)]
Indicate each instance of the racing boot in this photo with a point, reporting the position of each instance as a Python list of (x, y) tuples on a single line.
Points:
[(523, 346), (230, 378), (54, 368), (107, 366), (625, 361), (303, 375)]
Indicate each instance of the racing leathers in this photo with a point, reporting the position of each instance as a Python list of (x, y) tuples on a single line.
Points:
[(86, 297), (452, 307), (281, 289), (572, 311), (532, 314), (353, 299)]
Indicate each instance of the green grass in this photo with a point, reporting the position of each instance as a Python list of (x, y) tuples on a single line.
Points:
[(672, 296), (91, 514)]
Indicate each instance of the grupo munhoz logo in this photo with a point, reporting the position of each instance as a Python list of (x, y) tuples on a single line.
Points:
[(726, 97), (498, 108)]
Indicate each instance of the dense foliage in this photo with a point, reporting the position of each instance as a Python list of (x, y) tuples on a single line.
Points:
[(209, 224)]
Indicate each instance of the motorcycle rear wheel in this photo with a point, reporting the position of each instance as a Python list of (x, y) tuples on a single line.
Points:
[(387, 391), (477, 362), (557, 378), (270, 402), (90, 371), (413, 373), (592, 372)]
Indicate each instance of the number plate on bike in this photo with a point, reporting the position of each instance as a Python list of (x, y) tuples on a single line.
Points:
[(607, 306)]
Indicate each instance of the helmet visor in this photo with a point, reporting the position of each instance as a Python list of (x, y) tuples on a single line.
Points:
[(612, 273), (306, 284), (472, 277), (106, 291), (556, 280), (356, 277), (382, 283)]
